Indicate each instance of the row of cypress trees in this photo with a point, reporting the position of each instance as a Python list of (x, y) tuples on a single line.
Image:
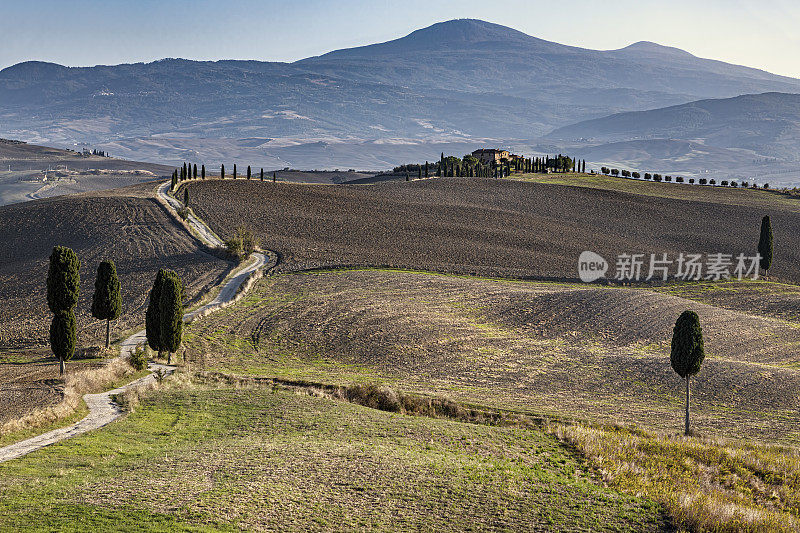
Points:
[(189, 172), (63, 289)]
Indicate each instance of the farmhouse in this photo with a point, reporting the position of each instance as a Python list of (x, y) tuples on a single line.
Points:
[(488, 155)]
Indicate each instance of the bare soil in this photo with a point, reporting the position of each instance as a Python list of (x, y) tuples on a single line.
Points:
[(483, 226), (595, 353), (126, 225)]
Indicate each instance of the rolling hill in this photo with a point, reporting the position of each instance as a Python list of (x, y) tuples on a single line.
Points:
[(767, 123), (30, 172), (456, 81)]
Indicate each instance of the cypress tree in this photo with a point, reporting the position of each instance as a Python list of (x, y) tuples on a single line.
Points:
[(248, 171), (174, 179), (171, 314), (234, 171), (203, 172), (63, 288), (426, 169), (153, 314), (222, 172), (583, 169), (107, 300), (419, 172), (765, 244), (274, 177), (63, 337), (63, 279), (194, 172), (687, 352), (185, 174), (186, 196), (262, 174)]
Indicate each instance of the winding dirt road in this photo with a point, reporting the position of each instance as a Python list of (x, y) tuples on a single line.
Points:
[(102, 408)]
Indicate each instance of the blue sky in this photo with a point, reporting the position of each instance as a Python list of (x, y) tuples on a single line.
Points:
[(764, 34)]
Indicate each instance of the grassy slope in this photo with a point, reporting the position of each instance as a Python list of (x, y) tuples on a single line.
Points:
[(226, 459), (758, 198), (594, 353)]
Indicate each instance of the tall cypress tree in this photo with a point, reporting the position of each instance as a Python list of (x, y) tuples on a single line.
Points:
[(203, 172), (186, 196), (262, 174), (687, 352), (63, 337), (194, 172), (152, 317), (107, 299), (222, 172), (185, 173), (426, 170), (234, 171), (274, 177), (419, 172), (765, 244), (171, 314), (63, 288), (248, 171)]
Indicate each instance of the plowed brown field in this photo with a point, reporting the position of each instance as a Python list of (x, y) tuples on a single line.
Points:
[(484, 226)]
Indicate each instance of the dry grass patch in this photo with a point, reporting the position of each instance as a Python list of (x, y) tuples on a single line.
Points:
[(705, 484)]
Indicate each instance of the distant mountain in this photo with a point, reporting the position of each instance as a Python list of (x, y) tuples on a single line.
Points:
[(458, 81), (768, 124)]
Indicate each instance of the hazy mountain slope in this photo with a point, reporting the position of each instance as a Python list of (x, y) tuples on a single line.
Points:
[(453, 80), (474, 55), (768, 124)]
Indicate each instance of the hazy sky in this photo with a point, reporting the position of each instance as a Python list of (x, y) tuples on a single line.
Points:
[(763, 34)]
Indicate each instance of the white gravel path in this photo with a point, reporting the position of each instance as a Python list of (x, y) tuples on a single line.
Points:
[(102, 409)]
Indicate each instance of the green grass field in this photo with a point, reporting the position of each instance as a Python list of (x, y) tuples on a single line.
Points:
[(197, 458), (676, 191)]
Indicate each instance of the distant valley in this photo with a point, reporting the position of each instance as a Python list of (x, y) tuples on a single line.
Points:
[(450, 87)]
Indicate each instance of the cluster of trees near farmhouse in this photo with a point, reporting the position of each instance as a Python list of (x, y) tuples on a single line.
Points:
[(678, 179), (164, 318), (470, 166)]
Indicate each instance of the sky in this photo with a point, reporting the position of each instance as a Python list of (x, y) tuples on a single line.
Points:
[(762, 34)]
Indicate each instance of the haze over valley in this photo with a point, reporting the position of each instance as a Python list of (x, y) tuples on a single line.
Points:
[(464, 83)]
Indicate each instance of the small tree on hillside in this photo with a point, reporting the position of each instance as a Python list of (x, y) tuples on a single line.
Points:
[(107, 299), (248, 172), (687, 352), (234, 171), (152, 317), (765, 244), (171, 314), (203, 172), (186, 196), (262, 174), (63, 288), (274, 177), (222, 172)]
